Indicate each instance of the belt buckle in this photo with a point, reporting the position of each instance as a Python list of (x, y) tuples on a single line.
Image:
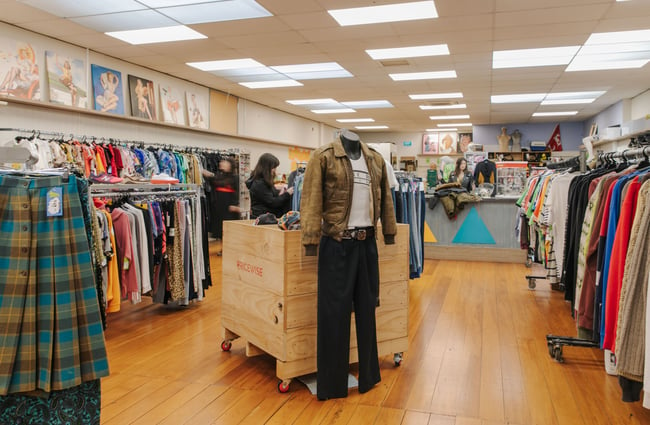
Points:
[(360, 235)]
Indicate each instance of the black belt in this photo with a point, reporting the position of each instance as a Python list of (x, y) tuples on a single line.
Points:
[(358, 233)]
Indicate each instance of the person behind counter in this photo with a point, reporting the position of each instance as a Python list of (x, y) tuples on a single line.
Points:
[(265, 197), (462, 175)]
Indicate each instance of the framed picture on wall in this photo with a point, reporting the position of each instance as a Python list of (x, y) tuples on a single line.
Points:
[(430, 144), (107, 89), (464, 140), (19, 70), (67, 79), (143, 98), (197, 110), (171, 103), (447, 143)]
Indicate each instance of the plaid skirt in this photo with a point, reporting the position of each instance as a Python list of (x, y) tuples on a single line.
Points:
[(51, 334)]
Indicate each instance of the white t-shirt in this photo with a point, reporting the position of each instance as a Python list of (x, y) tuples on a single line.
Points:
[(360, 208)]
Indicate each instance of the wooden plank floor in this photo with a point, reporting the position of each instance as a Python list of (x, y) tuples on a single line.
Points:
[(477, 356)]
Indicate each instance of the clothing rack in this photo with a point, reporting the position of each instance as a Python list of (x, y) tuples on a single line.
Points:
[(109, 190), (556, 342)]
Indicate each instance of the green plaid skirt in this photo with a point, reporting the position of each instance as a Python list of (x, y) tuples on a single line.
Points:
[(51, 335)]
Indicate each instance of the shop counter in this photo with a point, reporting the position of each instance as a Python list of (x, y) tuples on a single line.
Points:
[(481, 231), (269, 297)]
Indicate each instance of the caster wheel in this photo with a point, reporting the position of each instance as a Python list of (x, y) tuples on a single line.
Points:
[(397, 358), (226, 345), (283, 387), (557, 354), (531, 283), (551, 349)]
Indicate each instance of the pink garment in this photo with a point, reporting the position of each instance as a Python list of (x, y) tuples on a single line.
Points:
[(124, 242)]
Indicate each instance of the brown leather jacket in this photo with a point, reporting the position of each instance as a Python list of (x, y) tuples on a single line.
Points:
[(327, 194)]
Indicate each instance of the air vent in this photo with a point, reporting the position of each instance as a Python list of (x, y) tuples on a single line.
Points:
[(395, 62)]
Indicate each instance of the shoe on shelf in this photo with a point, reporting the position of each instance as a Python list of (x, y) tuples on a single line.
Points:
[(163, 178), (135, 179), (104, 178)]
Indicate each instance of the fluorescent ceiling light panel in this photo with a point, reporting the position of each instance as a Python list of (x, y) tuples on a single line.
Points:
[(409, 52), (567, 101), (385, 13), (270, 84), (215, 11), (574, 95), (408, 76), (518, 98), (349, 120), (596, 65), (439, 130), (124, 21), (371, 127), (464, 124), (333, 111), (457, 106), (368, 104), (533, 57), (308, 67), (74, 8), (167, 3), (449, 117), (430, 96), (617, 37), (320, 75), (226, 64), (555, 114), (299, 102), (157, 35)]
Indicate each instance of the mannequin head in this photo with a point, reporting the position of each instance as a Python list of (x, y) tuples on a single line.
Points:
[(350, 143)]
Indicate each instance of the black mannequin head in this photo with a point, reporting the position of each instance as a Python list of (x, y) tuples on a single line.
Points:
[(351, 145)]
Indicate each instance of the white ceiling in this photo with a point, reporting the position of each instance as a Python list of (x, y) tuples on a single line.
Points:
[(301, 31)]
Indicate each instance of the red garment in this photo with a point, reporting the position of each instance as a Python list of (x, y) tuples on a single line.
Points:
[(122, 228), (113, 162), (617, 262)]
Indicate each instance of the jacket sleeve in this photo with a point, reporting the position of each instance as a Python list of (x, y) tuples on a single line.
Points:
[(388, 221), (311, 202)]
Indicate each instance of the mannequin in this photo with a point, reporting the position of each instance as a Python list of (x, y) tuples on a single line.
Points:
[(345, 193), (351, 145), (516, 141), (504, 140)]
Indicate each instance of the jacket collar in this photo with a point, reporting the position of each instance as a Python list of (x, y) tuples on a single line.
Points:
[(339, 151)]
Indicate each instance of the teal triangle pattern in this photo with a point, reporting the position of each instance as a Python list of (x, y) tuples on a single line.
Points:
[(473, 230)]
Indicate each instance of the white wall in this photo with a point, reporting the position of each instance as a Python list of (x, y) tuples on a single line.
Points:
[(640, 106)]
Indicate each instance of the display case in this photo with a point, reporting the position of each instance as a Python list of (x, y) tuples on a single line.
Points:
[(511, 178)]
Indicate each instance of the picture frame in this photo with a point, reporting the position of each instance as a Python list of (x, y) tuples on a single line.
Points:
[(172, 106), (67, 79), (19, 70), (143, 98), (464, 140), (430, 144), (447, 143), (198, 114), (108, 91)]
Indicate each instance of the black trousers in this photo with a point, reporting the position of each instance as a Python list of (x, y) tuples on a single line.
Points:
[(348, 275)]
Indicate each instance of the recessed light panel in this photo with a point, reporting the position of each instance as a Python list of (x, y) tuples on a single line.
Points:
[(157, 35), (371, 127), (456, 106), (270, 84), (226, 64), (440, 130), (409, 52), (518, 98), (323, 101), (464, 124), (216, 11), (533, 57), (432, 75), (124, 21), (368, 104), (74, 8), (333, 111), (351, 120), (431, 96), (449, 117), (555, 114), (385, 13)]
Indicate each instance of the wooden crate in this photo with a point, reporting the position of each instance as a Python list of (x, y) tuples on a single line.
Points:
[(269, 296)]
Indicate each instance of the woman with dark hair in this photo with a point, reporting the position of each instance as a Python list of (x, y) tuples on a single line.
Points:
[(462, 175), (264, 196), (225, 202)]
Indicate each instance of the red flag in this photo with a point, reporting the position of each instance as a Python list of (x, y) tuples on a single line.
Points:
[(555, 142)]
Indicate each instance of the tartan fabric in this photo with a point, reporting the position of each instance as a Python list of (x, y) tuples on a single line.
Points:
[(51, 334)]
